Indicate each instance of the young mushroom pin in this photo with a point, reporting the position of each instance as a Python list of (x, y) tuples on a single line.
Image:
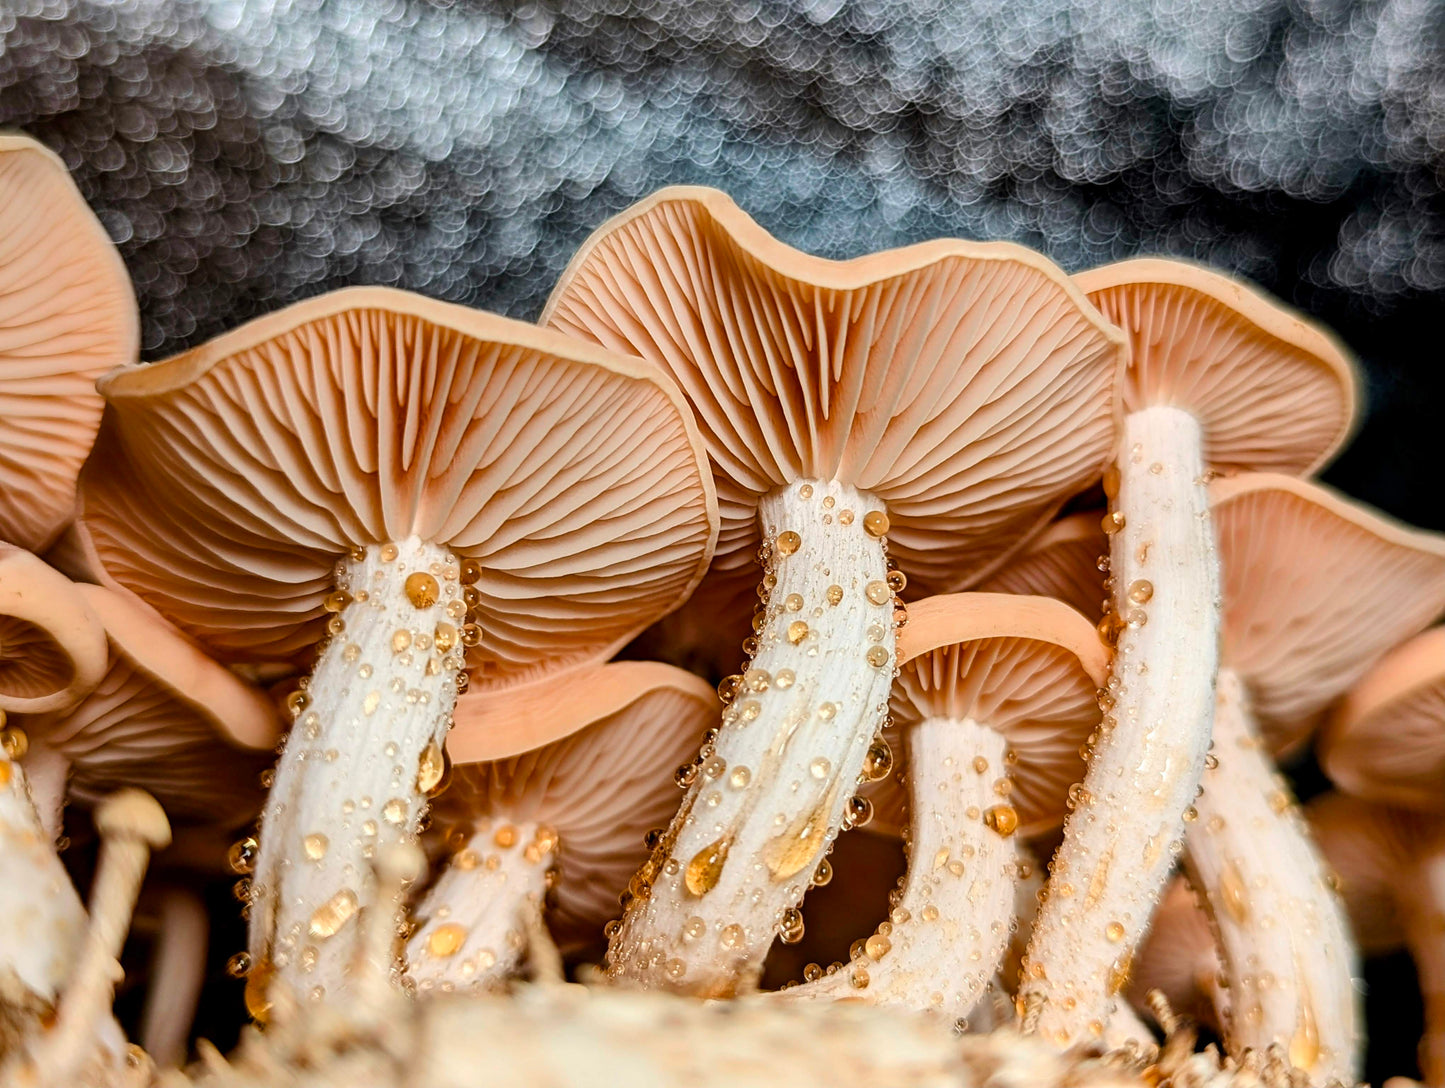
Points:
[(569, 811), (446, 494), (1222, 380), (995, 696), (926, 406), (67, 315)]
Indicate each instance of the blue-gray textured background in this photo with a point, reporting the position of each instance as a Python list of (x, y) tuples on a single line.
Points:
[(245, 153)]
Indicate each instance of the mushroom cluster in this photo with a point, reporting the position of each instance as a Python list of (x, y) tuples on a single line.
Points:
[(481, 585)]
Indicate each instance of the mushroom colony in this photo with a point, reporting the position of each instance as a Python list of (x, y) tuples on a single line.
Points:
[(476, 650)]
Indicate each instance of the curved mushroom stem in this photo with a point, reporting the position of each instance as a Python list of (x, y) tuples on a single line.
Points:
[(44, 919), (178, 970), (776, 785), (1282, 930), (366, 747), (46, 771), (945, 940), (1121, 839), (1423, 914), (474, 920)]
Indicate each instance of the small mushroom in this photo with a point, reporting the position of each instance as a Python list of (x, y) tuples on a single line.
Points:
[(995, 697), (592, 774), (52, 647), (1179, 957), (67, 315), (1220, 380), (418, 494), (164, 717), (927, 406)]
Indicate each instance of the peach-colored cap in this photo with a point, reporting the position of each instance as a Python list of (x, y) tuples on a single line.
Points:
[(1369, 848), (1385, 741), (970, 386), (1028, 667), (229, 480), (166, 718), (1316, 587), (596, 764), (67, 315), (52, 645), (1178, 957), (1061, 562), (1272, 391)]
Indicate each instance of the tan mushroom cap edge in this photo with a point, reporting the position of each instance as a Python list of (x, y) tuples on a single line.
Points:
[(1316, 586), (938, 623), (1250, 390), (849, 423), (52, 645), (271, 578), (67, 315), (1061, 562), (1385, 740)]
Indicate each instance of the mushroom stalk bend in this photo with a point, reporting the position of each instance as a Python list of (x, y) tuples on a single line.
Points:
[(1423, 911), (771, 792), (474, 920), (365, 749), (1282, 931), (46, 771), (1121, 839), (945, 940)]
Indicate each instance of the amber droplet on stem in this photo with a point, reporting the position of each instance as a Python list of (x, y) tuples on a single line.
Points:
[(421, 589), (705, 868)]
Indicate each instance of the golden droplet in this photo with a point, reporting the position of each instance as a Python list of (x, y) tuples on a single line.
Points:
[(401, 641), (793, 602), (875, 523), (858, 978), (797, 631), (546, 839), (242, 855), (740, 778), (834, 594), (732, 936), (823, 874), (471, 634), (1141, 590), (877, 946), (794, 850), (471, 571), (1304, 1048), (877, 656), (705, 868), (371, 702), (422, 589), (445, 636), (505, 836), (728, 687), (328, 918), (14, 742), (788, 542), (394, 811), (446, 940), (877, 592), (1111, 481), (1233, 892), (897, 581), (389, 552), (430, 767), (315, 845), (1113, 522), (337, 601), (6, 773), (258, 981), (239, 965), (1002, 820), (784, 679), (790, 927), (1114, 931), (878, 760), (1119, 972)]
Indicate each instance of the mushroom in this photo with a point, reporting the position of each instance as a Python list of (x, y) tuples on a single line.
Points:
[(446, 494), (1221, 380), (995, 696), (52, 647), (1067, 561), (572, 774), (164, 717), (1385, 741), (67, 315), (928, 406), (1403, 851), (1179, 957)]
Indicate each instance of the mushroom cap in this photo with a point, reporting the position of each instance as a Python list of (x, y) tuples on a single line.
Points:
[(133, 814), (1178, 956), (227, 481), (969, 386), (1385, 741), (594, 758), (1316, 587), (1368, 847), (1029, 667), (67, 315), (52, 646), (166, 718), (1272, 391), (1061, 562)]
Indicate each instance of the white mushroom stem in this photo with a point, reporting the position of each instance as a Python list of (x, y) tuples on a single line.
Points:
[(177, 973), (473, 931), (774, 788), (365, 748), (44, 919), (1121, 839), (946, 938), (46, 771), (1423, 911), (1282, 930)]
